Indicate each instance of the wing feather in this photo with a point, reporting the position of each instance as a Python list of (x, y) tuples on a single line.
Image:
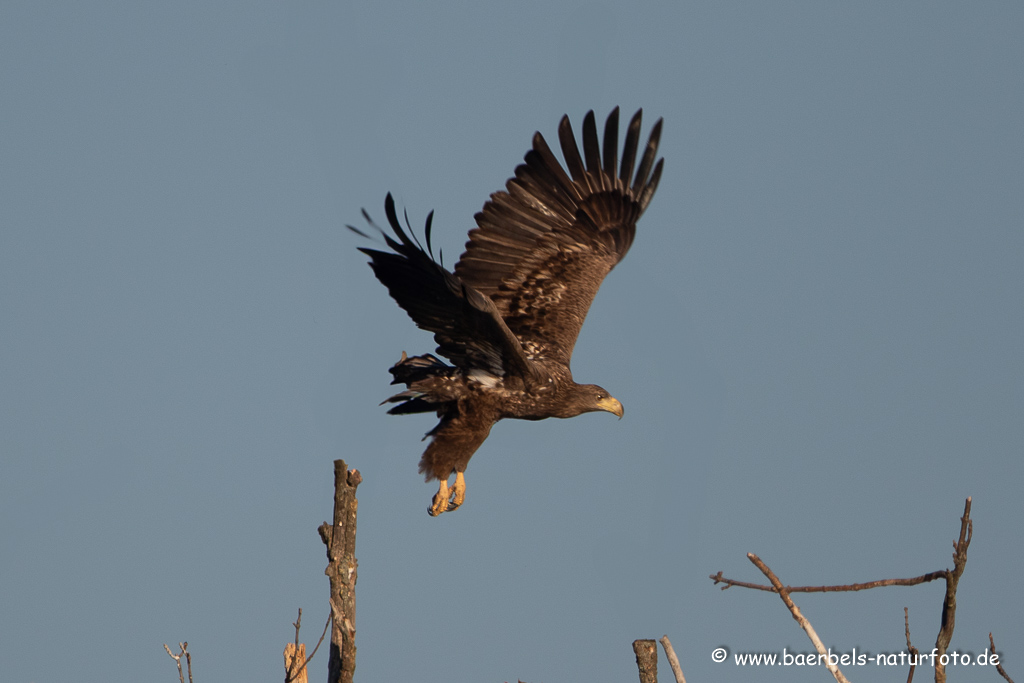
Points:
[(611, 145), (467, 326), (571, 153), (544, 245), (629, 149), (592, 152), (648, 159)]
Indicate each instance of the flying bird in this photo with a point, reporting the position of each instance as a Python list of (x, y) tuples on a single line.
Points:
[(508, 315)]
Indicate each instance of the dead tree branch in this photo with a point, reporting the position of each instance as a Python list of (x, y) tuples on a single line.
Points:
[(910, 648), (951, 576), (177, 658), (295, 666), (999, 666), (646, 660), (952, 579), (673, 661), (800, 619), (931, 576), (340, 539)]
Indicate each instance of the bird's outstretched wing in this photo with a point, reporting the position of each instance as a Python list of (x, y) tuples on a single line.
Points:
[(467, 326), (544, 246)]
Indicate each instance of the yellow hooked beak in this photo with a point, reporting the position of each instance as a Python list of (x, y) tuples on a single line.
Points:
[(611, 405)]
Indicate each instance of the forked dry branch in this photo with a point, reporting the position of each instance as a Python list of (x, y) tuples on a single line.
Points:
[(948, 621), (177, 658)]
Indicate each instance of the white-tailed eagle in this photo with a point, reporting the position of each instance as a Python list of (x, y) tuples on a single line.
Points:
[(508, 316)]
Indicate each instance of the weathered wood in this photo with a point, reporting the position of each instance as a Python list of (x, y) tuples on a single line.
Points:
[(340, 539), (952, 581), (294, 658), (673, 661), (647, 660)]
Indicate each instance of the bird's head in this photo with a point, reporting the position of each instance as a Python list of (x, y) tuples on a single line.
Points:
[(596, 398)]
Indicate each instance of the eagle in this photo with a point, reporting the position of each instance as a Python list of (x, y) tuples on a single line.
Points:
[(508, 315)]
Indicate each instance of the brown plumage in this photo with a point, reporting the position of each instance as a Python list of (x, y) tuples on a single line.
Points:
[(509, 314)]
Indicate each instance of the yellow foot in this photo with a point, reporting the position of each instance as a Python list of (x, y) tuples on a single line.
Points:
[(440, 502), (458, 492), (445, 501)]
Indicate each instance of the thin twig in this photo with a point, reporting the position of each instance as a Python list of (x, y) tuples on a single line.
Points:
[(910, 648), (999, 665), (673, 661), (795, 611), (292, 676), (295, 669), (326, 626), (924, 578)]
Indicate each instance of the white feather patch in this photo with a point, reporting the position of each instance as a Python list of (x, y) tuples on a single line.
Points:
[(483, 377)]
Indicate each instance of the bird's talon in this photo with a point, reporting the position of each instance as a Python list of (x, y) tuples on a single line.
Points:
[(440, 502), (447, 499)]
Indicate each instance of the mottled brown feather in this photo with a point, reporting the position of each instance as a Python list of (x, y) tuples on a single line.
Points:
[(544, 245)]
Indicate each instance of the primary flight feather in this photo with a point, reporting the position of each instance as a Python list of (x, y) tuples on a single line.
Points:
[(508, 316)]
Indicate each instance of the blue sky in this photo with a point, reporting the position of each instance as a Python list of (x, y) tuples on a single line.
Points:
[(817, 335)]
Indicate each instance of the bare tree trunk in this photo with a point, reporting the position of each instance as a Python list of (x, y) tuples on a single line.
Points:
[(340, 539), (647, 660)]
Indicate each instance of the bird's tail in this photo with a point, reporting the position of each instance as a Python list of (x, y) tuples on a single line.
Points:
[(418, 374)]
